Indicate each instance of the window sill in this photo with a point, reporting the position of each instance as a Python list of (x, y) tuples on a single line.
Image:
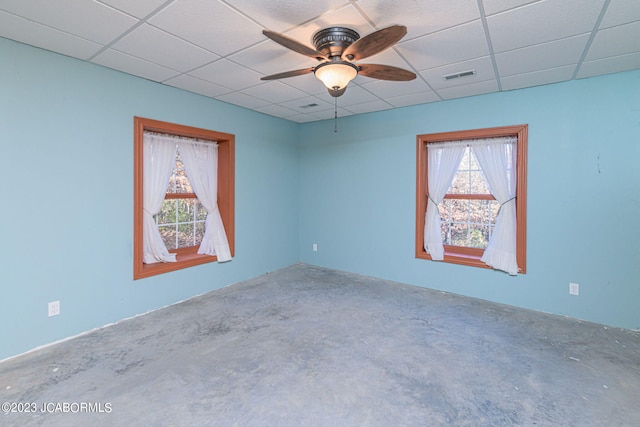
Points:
[(456, 258), (184, 259)]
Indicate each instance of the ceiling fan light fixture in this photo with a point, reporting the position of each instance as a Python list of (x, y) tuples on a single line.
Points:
[(336, 75)]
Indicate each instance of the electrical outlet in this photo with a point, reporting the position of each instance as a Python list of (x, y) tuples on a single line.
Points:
[(54, 308), (574, 289), (315, 247)]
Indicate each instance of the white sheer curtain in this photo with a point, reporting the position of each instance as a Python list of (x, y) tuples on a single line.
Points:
[(201, 164), (497, 158), (443, 161), (159, 159)]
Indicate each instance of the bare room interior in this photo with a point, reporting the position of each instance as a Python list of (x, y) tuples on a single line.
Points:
[(329, 213)]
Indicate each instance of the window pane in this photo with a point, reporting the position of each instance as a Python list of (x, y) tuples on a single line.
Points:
[(168, 233), (167, 214), (460, 184), (186, 235), (478, 185), (469, 178), (468, 223), (201, 212)]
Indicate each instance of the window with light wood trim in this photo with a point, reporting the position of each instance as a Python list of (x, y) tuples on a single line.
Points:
[(468, 210), (186, 254)]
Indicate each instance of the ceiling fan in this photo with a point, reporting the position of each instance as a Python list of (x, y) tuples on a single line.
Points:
[(337, 48)]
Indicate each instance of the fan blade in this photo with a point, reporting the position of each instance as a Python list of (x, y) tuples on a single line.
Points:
[(288, 74), (374, 43), (385, 72), (294, 45)]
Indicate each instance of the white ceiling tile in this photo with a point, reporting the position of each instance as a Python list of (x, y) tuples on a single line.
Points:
[(369, 107), (277, 111), (300, 104), (132, 65), (193, 84), (469, 90), (274, 92), (387, 89), (90, 20), (271, 58), (284, 14), (495, 6), (609, 65), (156, 46), (29, 32), (482, 66), (539, 57), (456, 44), (239, 98), (621, 12), (302, 118), (330, 113), (538, 78), (421, 16), (615, 41), (346, 16), (211, 25), (307, 83), (355, 95), (137, 8), (413, 99), (229, 74), (522, 26), (387, 57)]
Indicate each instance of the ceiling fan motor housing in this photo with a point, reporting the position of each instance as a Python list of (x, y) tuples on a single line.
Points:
[(333, 41)]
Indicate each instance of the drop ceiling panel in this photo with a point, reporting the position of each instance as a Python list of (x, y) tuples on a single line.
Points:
[(133, 65), (520, 27), (226, 73), (494, 6), (542, 56), (344, 16), (421, 17), (274, 92), (615, 41), (193, 84), (469, 90), (211, 25), (281, 16), (413, 99), (613, 64), (537, 78), (271, 58), (137, 8), (29, 32), (88, 20), (453, 45), (386, 89), (621, 12), (483, 68), (153, 45)]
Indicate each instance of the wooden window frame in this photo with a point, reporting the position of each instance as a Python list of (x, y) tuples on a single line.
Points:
[(185, 257), (462, 255)]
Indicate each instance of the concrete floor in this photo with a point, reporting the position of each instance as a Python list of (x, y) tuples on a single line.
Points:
[(306, 346)]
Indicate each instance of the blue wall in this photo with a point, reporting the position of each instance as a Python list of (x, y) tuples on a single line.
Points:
[(357, 196), (66, 216), (66, 133)]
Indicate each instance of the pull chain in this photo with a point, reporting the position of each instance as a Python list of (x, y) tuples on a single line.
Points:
[(335, 116)]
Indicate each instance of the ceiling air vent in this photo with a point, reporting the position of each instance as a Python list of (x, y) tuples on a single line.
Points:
[(309, 105), (460, 74)]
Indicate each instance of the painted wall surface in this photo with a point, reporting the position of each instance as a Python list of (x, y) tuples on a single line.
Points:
[(357, 196), (66, 217)]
